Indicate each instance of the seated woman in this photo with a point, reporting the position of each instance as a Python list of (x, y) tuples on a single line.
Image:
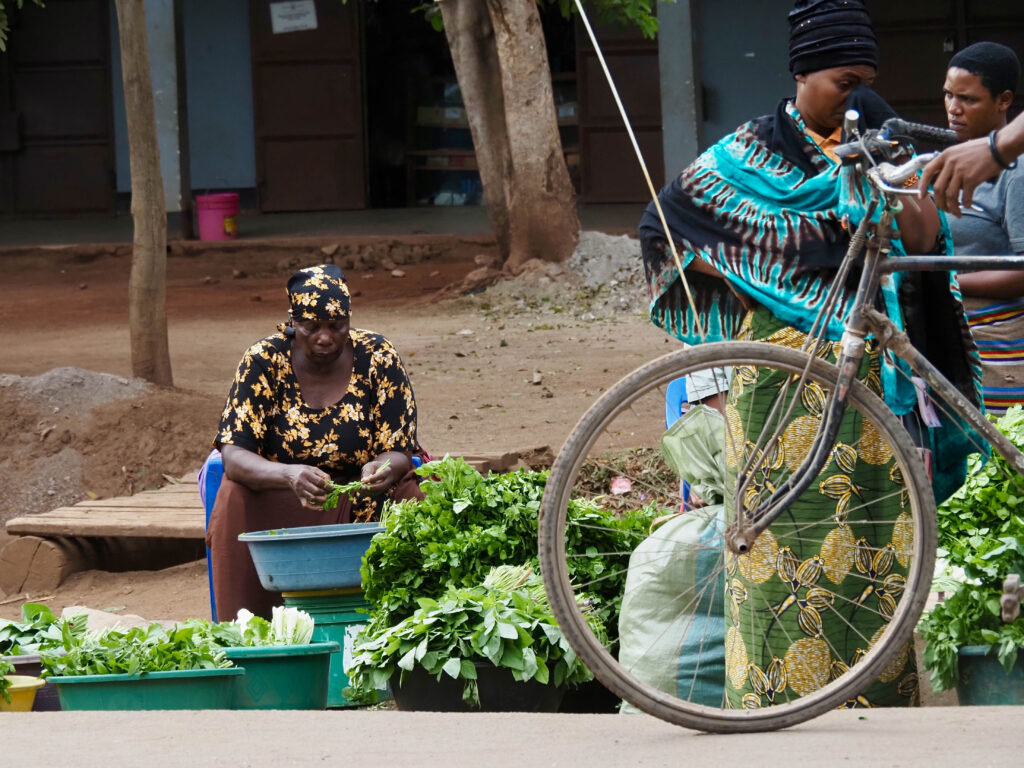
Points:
[(762, 224), (317, 401)]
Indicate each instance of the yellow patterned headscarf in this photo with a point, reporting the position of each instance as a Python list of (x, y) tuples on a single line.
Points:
[(318, 293)]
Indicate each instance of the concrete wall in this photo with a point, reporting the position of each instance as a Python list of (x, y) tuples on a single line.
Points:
[(721, 63), (744, 61)]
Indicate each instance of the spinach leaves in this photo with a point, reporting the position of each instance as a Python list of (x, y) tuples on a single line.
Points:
[(38, 630), (135, 651), (981, 534), (505, 620), (438, 604), (468, 523)]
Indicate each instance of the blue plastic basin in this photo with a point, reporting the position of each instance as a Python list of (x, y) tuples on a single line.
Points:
[(310, 558)]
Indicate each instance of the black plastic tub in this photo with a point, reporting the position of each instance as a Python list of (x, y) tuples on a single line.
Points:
[(499, 692)]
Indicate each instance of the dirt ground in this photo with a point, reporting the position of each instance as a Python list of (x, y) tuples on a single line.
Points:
[(506, 369)]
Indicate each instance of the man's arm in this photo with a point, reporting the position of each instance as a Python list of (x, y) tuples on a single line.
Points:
[(965, 166)]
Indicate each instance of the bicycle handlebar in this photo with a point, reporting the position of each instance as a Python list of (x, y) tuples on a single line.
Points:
[(881, 145), (896, 126), (884, 175)]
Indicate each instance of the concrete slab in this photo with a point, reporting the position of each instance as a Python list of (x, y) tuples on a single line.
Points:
[(252, 225), (960, 737)]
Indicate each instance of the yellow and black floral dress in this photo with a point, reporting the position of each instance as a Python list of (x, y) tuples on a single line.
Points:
[(266, 414)]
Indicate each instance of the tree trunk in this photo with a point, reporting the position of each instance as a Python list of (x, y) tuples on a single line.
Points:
[(501, 63), (467, 26), (147, 316), (542, 204)]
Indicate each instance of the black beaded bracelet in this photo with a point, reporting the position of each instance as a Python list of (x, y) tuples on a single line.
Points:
[(995, 153)]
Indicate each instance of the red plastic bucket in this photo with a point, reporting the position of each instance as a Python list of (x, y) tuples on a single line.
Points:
[(216, 215)]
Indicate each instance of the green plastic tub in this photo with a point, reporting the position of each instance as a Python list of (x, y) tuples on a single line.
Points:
[(283, 676), (983, 681), (338, 617), (184, 689)]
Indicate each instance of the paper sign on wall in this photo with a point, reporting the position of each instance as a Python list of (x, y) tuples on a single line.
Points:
[(292, 16)]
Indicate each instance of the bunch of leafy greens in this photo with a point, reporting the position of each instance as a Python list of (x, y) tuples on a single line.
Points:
[(505, 620), (467, 523), (134, 651), (38, 630), (981, 526), (287, 626), (970, 616), (336, 490), (981, 534), (6, 668)]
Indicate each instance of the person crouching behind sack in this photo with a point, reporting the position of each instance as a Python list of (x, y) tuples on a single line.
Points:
[(316, 402)]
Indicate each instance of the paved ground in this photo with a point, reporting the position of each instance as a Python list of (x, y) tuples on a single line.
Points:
[(939, 737), (458, 220)]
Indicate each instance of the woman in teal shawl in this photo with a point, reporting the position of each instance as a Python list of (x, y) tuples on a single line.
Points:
[(761, 221)]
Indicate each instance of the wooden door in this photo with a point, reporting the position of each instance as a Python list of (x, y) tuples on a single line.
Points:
[(308, 104), (609, 171), (56, 125)]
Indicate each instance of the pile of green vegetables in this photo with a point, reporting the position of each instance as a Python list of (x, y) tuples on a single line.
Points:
[(136, 651), (193, 644), (38, 630), (287, 626), (505, 620), (450, 540), (981, 538)]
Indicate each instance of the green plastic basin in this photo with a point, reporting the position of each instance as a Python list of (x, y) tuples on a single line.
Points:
[(184, 689), (283, 676), (982, 680), (338, 617)]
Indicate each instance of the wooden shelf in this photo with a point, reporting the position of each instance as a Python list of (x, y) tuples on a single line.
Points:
[(442, 159), (436, 124)]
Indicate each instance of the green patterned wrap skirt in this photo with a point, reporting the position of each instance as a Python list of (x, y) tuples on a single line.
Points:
[(821, 583)]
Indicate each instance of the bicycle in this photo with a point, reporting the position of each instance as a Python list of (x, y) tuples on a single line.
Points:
[(796, 451)]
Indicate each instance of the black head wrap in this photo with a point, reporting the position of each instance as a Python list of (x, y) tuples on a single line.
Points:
[(996, 65), (318, 293), (830, 33)]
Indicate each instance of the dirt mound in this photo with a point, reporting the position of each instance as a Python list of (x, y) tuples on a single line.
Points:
[(603, 277), (70, 434)]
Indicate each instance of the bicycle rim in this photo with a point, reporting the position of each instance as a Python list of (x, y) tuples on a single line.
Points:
[(818, 612)]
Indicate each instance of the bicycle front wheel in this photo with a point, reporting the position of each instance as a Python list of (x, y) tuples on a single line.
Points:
[(658, 601)]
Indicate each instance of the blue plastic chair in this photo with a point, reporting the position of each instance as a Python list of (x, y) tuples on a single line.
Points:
[(210, 477), (675, 398)]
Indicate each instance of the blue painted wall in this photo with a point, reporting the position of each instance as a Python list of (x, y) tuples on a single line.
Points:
[(220, 112), (160, 38)]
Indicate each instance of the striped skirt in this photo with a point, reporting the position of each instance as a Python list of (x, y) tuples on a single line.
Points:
[(998, 330)]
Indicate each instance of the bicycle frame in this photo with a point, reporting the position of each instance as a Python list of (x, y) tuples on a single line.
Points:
[(863, 320)]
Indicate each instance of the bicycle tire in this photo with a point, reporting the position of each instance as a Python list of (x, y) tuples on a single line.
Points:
[(625, 399)]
